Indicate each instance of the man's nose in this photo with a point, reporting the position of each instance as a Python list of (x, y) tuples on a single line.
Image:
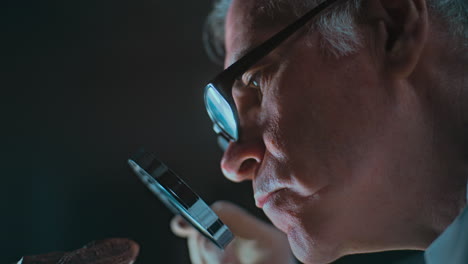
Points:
[(242, 159)]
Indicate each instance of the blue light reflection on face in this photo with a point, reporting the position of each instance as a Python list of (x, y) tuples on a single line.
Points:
[(221, 112)]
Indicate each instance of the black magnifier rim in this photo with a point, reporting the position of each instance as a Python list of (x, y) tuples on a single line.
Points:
[(179, 198)]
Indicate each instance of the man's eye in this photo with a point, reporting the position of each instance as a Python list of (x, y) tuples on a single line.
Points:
[(254, 83)]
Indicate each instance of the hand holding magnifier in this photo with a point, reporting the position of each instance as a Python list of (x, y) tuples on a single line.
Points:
[(179, 198)]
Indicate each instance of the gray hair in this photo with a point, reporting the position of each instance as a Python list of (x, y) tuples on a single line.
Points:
[(337, 25), (455, 14)]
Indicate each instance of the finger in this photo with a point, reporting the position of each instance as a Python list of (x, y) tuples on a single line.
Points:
[(109, 251), (240, 222), (210, 253), (181, 227), (195, 252), (49, 258)]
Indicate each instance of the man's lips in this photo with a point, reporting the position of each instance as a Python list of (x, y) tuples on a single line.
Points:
[(262, 198)]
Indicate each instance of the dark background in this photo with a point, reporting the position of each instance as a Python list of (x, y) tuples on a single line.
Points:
[(84, 84)]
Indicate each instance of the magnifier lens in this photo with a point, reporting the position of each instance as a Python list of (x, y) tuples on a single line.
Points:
[(220, 112)]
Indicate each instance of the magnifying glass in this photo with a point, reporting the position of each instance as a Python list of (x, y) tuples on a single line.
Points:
[(179, 198)]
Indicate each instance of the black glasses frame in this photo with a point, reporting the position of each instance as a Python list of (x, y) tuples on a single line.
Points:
[(224, 81)]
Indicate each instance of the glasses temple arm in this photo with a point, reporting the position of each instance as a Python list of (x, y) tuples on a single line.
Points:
[(257, 53)]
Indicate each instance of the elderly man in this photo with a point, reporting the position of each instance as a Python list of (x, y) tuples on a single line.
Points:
[(351, 125)]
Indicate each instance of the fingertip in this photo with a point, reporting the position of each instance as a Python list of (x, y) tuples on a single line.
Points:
[(134, 248), (228, 211), (218, 205), (222, 207), (181, 227)]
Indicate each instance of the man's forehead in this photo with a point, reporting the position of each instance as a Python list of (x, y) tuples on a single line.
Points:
[(249, 23)]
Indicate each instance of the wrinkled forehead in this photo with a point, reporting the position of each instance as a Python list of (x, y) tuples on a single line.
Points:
[(249, 23)]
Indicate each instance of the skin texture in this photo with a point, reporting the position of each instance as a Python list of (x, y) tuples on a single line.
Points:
[(109, 251), (356, 154)]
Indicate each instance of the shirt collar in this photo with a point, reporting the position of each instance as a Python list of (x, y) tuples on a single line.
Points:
[(452, 245)]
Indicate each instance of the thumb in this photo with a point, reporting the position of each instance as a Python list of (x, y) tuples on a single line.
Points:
[(108, 251), (256, 239), (235, 217), (241, 222)]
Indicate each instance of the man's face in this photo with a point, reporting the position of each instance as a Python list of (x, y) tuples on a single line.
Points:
[(328, 148)]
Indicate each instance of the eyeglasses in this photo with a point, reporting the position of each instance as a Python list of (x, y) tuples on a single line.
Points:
[(219, 102)]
